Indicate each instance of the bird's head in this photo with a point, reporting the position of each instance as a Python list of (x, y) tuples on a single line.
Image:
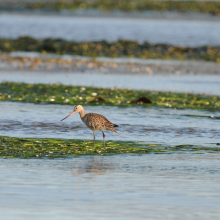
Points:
[(77, 108)]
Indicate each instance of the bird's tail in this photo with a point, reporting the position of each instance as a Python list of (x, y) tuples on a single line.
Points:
[(112, 129), (115, 125)]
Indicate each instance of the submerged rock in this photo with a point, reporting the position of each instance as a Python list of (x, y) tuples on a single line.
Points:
[(143, 100)]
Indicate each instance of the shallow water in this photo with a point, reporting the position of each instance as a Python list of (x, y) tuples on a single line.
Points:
[(152, 125), (208, 84), (115, 187), (176, 32)]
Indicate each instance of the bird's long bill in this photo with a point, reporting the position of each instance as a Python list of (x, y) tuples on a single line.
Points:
[(68, 115)]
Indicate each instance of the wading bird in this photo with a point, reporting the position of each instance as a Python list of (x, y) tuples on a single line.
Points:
[(94, 122)]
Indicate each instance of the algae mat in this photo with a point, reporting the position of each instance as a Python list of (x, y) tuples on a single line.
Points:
[(211, 7), (73, 95), (11, 147), (121, 48)]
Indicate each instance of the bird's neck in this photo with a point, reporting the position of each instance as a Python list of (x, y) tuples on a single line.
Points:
[(82, 113)]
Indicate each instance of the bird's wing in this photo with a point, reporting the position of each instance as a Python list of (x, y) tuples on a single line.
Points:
[(98, 118), (98, 121)]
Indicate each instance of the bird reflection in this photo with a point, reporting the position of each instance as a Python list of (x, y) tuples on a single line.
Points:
[(96, 166)]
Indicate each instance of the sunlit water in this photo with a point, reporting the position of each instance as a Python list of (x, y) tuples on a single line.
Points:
[(176, 32), (176, 186), (152, 125)]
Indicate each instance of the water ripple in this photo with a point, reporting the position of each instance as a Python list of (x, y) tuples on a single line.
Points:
[(152, 125)]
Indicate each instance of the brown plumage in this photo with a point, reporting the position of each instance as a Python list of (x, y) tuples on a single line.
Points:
[(94, 122)]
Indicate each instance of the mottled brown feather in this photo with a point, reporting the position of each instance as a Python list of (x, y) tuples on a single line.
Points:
[(98, 122)]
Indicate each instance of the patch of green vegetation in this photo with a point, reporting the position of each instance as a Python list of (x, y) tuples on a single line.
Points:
[(122, 48), (78, 95), (11, 147), (122, 5)]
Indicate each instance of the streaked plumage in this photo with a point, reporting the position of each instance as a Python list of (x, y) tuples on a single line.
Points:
[(94, 122)]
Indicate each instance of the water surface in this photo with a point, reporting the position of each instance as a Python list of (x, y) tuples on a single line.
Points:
[(115, 187), (152, 125), (209, 84), (176, 32)]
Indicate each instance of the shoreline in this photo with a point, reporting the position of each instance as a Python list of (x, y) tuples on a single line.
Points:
[(36, 62), (146, 15)]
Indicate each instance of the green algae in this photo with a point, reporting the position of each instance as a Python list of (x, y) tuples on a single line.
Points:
[(11, 147), (75, 95), (212, 7), (121, 48)]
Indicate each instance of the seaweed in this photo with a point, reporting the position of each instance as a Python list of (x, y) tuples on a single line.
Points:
[(79, 95), (12, 147), (121, 48), (211, 7)]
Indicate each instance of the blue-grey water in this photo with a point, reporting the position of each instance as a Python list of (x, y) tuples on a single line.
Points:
[(151, 125), (176, 186), (209, 84), (176, 32)]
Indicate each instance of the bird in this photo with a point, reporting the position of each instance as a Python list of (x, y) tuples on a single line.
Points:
[(94, 122)]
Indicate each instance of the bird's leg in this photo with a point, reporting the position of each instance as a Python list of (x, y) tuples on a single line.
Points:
[(94, 139), (103, 139)]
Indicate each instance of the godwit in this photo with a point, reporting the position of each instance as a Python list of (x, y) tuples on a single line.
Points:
[(94, 122)]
